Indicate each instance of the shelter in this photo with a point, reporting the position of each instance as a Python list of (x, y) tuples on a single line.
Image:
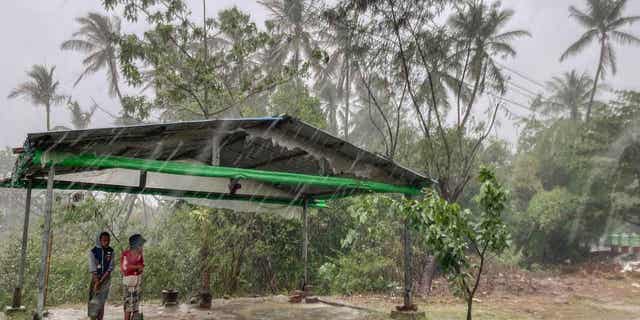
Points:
[(270, 163)]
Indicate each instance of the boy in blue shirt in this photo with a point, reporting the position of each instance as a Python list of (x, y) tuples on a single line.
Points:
[(100, 266)]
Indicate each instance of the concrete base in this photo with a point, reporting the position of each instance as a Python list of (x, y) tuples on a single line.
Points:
[(12, 310), (311, 299), (408, 315)]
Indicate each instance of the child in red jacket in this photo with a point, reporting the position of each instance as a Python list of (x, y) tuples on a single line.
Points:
[(132, 266)]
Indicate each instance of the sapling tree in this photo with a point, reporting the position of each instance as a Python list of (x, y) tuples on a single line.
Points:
[(462, 240)]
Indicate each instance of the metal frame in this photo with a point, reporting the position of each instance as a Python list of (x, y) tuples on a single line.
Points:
[(297, 133), (17, 292), (305, 242), (43, 278)]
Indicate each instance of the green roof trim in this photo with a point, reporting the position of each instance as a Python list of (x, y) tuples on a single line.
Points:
[(66, 185), (179, 168)]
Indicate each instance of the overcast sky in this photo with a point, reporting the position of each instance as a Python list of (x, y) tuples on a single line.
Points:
[(33, 30)]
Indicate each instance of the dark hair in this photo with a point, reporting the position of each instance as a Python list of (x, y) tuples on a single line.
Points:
[(104, 234), (136, 241)]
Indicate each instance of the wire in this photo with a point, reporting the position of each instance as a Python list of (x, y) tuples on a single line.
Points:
[(95, 104), (521, 74)]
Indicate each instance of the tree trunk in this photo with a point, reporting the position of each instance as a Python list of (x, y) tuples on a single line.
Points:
[(469, 306), (595, 81), (472, 98), (48, 110), (347, 96), (113, 68), (574, 113), (428, 273), (205, 266)]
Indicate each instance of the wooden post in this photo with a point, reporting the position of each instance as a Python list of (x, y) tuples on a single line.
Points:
[(17, 293), (406, 246), (205, 276), (46, 246), (305, 242)]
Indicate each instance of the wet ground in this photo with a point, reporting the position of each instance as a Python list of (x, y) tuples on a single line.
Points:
[(275, 308)]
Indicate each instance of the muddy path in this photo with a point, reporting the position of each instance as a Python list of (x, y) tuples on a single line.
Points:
[(273, 308)]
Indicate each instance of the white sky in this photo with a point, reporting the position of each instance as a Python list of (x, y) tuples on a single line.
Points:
[(33, 30)]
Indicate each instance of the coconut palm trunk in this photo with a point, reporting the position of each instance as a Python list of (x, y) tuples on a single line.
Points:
[(48, 112), (347, 96), (113, 68), (596, 79)]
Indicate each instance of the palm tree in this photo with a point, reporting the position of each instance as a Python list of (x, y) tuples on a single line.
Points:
[(341, 62), (481, 28), (603, 20), (97, 37), (570, 92), (41, 89), (290, 21)]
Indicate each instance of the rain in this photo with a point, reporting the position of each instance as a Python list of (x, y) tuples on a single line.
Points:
[(320, 159)]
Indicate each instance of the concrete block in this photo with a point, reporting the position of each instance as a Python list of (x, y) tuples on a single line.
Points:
[(408, 315)]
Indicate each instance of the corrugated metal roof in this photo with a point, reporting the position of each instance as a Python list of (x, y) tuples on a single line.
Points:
[(283, 144)]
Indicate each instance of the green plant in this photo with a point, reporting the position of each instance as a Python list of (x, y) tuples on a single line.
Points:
[(457, 238)]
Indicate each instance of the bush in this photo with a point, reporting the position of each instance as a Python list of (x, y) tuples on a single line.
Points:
[(551, 230), (358, 272)]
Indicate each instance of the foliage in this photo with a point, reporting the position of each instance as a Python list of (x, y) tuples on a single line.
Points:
[(195, 74), (358, 272), (603, 20), (570, 92), (41, 89), (97, 37), (296, 101), (452, 233), (546, 233)]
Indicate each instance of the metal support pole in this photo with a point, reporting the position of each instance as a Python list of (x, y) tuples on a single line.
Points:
[(408, 283), (305, 242), (17, 293), (46, 246)]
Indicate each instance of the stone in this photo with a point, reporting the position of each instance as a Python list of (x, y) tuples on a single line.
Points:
[(408, 315), (10, 310), (311, 300)]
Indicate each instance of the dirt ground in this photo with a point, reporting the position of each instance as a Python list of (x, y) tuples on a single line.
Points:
[(588, 292), (593, 290), (234, 309)]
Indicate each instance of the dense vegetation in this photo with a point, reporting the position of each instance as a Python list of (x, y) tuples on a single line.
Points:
[(386, 75)]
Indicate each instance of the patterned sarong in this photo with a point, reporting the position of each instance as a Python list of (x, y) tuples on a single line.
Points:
[(132, 293)]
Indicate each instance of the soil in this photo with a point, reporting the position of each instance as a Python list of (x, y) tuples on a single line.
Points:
[(232, 309), (593, 290)]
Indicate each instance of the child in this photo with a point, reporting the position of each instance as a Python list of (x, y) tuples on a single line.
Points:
[(100, 266), (131, 266)]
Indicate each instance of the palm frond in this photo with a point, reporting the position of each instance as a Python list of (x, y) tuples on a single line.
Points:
[(616, 10), (511, 35), (625, 38), (503, 49), (77, 45), (40, 89), (584, 19), (622, 22), (579, 45)]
